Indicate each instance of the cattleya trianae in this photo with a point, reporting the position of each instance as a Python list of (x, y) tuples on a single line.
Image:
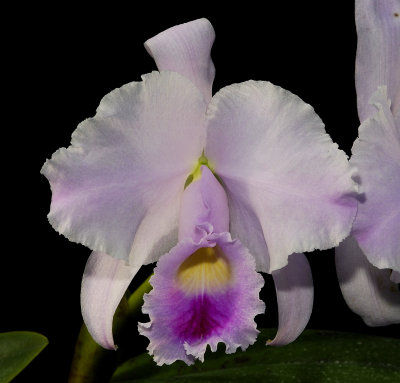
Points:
[(213, 188)]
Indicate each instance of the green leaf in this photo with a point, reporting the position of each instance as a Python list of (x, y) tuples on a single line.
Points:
[(317, 356), (17, 350)]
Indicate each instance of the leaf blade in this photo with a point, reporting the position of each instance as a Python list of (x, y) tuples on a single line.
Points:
[(17, 350), (317, 356)]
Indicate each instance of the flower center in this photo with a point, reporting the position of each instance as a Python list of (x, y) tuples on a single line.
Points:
[(207, 270), (196, 173)]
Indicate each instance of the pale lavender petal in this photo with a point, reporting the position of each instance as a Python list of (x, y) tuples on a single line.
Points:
[(157, 232), (186, 49), (378, 52), (127, 167), (203, 293), (366, 289), (295, 295), (104, 283), (376, 154), (203, 202), (286, 180)]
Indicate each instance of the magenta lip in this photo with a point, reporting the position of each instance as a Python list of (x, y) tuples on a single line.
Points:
[(204, 316), (182, 325)]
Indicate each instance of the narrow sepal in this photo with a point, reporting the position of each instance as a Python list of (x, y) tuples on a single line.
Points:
[(378, 52), (376, 154), (145, 137), (186, 49), (104, 283), (295, 295), (367, 290)]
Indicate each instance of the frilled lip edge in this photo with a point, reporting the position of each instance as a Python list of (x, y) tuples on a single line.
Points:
[(184, 320)]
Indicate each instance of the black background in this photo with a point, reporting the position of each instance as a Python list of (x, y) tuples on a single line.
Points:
[(62, 60)]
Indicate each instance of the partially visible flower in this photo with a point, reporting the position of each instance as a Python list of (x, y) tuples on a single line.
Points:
[(213, 188), (368, 262)]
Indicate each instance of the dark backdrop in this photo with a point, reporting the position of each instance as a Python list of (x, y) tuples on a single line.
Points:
[(64, 59)]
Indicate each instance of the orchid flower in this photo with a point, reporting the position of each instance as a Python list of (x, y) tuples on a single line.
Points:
[(214, 189), (368, 263)]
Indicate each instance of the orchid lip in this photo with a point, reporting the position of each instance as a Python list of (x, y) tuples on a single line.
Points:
[(205, 290), (201, 296)]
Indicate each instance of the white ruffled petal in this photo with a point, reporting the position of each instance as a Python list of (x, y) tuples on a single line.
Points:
[(126, 168), (366, 289), (288, 184), (295, 295)]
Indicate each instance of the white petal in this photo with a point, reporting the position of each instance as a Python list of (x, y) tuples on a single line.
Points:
[(104, 283), (126, 168), (376, 154), (286, 180), (378, 52), (366, 289), (295, 294), (186, 49)]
